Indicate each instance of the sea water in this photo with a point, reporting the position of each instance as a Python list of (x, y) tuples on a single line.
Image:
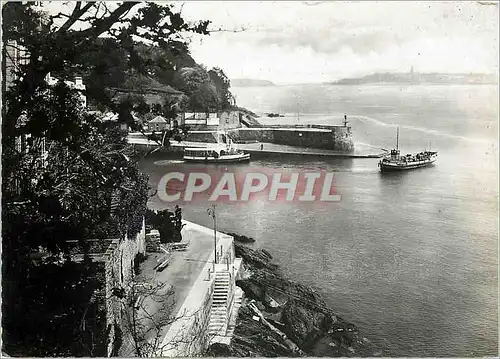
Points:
[(410, 258)]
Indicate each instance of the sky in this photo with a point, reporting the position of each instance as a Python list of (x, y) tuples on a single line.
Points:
[(290, 42), (321, 41)]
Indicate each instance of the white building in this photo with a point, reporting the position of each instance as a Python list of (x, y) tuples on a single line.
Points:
[(159, 123), (77, 85)]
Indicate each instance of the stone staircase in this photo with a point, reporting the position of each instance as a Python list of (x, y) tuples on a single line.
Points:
[(217, 324)]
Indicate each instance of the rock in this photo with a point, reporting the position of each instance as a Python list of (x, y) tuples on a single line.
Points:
[(267, 253), (303, 325), (241, 239), (253, 338), (260, 306), (293, 308), (252, 290), (255, 259), (271, 305), (219, 350)]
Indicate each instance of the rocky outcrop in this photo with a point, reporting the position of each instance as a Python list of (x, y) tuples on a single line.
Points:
[(283, 318), (241, 239)]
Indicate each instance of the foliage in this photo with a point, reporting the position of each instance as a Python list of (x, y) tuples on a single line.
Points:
[(167, 223), (138, 259), (206, 91), (118, 341), (65, 173), (196, 84), (55, 297), (222, 84)]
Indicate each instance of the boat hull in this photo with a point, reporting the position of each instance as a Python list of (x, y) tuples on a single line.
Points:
[(392, 167), (222, 159)]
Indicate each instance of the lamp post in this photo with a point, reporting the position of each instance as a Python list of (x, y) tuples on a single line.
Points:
[(211, 213)]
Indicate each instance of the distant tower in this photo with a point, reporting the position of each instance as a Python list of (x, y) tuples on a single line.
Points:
[(411, 70)]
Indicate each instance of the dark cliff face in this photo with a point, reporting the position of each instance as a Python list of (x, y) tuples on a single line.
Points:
[(297, 320)]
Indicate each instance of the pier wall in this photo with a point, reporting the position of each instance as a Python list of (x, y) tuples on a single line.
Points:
[(334, 138), (337, 138), (202, 136)]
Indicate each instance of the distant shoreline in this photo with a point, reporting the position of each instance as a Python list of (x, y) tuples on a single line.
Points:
[(251, 83), (388, 78), (416, 78), (372, 84), (410, 84)]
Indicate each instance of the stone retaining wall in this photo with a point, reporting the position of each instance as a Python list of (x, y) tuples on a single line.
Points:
[(201, 136), (335, 138), (119, 272)]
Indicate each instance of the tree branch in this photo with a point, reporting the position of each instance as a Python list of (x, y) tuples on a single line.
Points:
[(100, 26), (78, 12)]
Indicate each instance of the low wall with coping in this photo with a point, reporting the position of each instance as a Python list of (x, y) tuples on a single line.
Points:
[(119, 272)]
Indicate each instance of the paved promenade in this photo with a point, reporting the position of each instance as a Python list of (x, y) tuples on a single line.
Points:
[(177, 340), (186, 274)]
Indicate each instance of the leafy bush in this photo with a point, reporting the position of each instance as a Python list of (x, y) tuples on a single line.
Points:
[(167, 223), (138, 259)]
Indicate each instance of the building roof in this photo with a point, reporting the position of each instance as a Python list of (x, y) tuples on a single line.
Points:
[(158, 119), (110, 116)]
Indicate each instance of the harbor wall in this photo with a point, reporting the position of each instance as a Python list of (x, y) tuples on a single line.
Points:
[(202, 136), (337, 138)]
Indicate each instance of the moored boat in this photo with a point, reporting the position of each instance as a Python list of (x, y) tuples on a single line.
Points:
[(395, 162), (223, 152), (215, 155)]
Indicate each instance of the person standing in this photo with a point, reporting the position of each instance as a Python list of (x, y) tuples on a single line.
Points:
[(261, 146)]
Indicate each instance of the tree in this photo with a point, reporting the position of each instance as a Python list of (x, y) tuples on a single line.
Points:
[(222, 85), (60, 48), (147, 311), (167, 223), (60, 300), (36, 114), (196, 84), (65, 173)]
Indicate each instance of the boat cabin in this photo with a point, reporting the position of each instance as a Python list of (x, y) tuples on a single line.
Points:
[(210, 152), (395, 154)]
